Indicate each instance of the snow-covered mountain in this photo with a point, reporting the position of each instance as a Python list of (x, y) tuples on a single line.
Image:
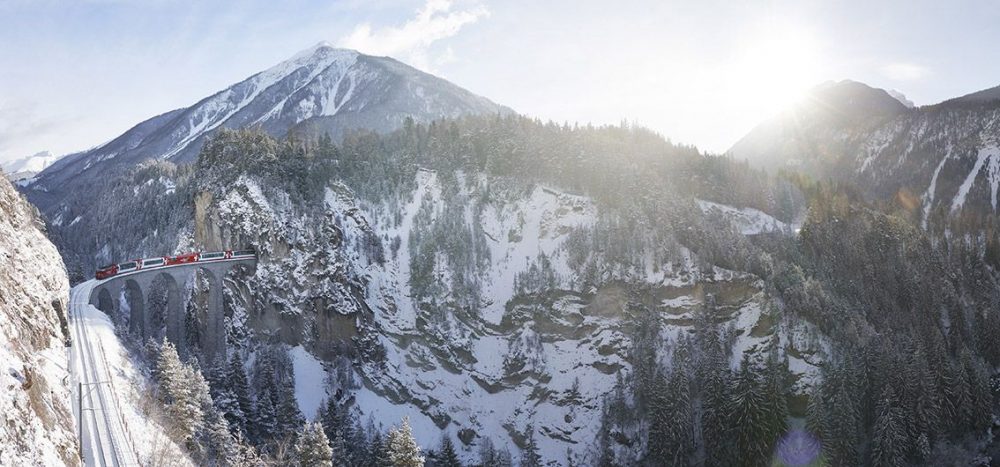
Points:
[(27, 167), (936, 161), (899, 96), (36, 421), (319, 90), (482, 303)]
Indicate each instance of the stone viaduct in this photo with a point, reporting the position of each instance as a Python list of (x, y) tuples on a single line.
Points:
[(138, 286)]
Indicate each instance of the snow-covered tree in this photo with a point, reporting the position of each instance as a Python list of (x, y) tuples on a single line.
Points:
[(447, 457), (239, 408), (313, 448), (183, 390), (402, 447), (889, 432), (289, 416)]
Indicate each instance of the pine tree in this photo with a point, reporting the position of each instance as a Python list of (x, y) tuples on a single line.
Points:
[(776, 394), (715, 421), (447, 457), (333, 418), (889, 432), (529, 455), (340, 451), (219, 442), (183, 390), (312, 448), (288, 414), (239, 410), (402, 448), (834, 415), (748, 410), (378, 455), (265, 426), (169, 371)]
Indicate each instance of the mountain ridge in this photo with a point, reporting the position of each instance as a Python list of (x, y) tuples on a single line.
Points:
[(336, 90)]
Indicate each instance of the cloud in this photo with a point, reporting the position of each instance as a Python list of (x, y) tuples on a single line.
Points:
[(21, 127), (902, 71), (412, 41)]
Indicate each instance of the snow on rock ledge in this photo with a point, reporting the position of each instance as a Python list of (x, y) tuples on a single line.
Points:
[(36, 422)]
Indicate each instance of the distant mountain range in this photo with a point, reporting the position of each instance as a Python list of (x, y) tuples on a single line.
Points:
[(319, 90), (27, 167), (939, 162)]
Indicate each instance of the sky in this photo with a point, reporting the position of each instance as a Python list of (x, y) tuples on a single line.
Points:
[(74, 74)]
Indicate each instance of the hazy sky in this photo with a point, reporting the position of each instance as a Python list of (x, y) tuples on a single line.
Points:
[(74, 74)]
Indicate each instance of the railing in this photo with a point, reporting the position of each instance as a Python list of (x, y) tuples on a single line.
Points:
[(118, 407)]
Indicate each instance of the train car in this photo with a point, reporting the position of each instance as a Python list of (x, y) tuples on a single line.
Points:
[(182, 259), (150, 263), (129, 266), (244, 253), (212, 256), (105, 272)]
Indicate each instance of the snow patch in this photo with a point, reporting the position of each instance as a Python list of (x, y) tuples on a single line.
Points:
[(987, 154), (749, 221), (310, 381)]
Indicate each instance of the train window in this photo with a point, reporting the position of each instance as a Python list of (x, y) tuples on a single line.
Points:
[(153, 262), (129, 265), (211, 255)]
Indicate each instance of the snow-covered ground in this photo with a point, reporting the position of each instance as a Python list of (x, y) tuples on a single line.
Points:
[(749, 221), (118, 427)]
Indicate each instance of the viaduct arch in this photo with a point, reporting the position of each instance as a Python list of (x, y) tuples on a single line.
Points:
[(138, 287)]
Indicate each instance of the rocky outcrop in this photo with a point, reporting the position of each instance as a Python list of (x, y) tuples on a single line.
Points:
[(36, 421)]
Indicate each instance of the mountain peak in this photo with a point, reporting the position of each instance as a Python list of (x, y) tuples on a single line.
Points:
[(848, 99), (899, 96), (320, 90)]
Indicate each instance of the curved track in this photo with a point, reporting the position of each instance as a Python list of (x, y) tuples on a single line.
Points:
[(103, 437)]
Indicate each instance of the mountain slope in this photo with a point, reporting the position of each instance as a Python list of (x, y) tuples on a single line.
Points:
[(36, 422), (464, 289), (319, 90), (936, 162)]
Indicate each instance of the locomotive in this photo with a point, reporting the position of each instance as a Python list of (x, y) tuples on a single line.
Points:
[(112, 270)]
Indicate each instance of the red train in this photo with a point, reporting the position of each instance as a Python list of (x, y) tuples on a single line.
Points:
[(113, 270)]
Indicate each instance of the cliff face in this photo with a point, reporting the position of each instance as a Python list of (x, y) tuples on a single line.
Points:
[(36, 421)]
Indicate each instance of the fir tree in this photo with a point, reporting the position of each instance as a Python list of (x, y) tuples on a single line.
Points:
[(378, 452), (238, 412), (338, 446), (265, 426), (402, 448), (447, 457), (889, 432), (288, 414), (749, 415), (183, 390), (312, 448)]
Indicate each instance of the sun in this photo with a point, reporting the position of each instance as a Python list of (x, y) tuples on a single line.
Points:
[(775, 67)]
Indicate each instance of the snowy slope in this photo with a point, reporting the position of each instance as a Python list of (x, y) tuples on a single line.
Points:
[(749, 221), (546, 361), (939, 160), (36, 423), (127, 389)]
